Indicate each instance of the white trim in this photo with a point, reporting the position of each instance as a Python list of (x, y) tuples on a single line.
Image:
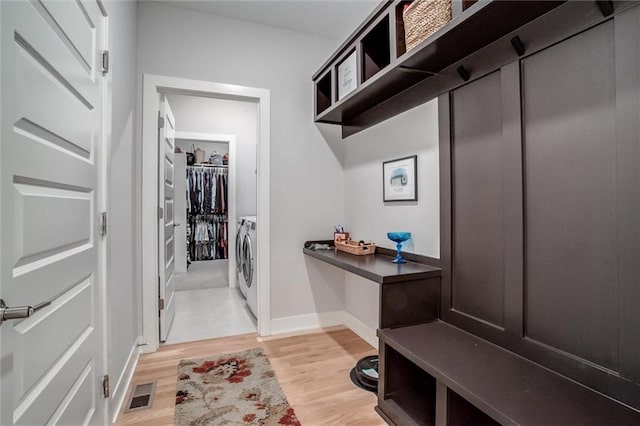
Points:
[(232, 200), (314, 321), (102, 202), (152, 86), (306, 322), (121, 388), (365, 332)]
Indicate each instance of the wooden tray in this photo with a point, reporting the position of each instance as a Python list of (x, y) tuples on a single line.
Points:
[(353, 247)]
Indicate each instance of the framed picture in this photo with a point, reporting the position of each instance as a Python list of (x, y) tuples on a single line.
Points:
[(400, 179), (347, 76)]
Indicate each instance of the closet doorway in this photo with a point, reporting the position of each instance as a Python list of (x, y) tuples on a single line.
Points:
[(208, 316), (208, 302)]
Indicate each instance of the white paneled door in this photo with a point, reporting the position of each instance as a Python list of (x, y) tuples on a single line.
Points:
[(52, 94), (166, 222)]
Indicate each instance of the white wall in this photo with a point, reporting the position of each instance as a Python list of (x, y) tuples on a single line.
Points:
[(226, 117), (307, 195), (414, 132), (121, 263)]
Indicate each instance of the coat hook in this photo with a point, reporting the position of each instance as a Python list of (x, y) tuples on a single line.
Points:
[(606, 7), (463, 73), (518, 45)]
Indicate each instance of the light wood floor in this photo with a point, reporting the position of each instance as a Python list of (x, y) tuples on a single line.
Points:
[(313, 370)]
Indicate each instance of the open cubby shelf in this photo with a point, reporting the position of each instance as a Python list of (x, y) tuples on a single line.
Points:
[(376, 50), (323, 93), (410, 391), (388, 70)]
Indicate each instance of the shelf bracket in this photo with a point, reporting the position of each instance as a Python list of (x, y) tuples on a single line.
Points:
[(606, 7), (518, 45), (463, 73)]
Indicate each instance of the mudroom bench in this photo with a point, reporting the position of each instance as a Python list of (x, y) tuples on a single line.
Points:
[(438, 374)]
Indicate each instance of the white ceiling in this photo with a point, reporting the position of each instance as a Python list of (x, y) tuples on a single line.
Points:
[(335, 19)]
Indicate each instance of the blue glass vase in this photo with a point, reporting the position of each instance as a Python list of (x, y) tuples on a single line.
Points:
[(399, 238)]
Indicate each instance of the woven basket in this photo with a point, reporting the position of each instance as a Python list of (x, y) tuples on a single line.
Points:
[(423, 18), (353, 247)]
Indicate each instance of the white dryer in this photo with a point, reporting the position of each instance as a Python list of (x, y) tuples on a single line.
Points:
[(240, 232), (249, 264)]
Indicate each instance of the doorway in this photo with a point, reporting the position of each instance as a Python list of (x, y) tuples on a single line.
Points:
[(154, 88), (208, 300)]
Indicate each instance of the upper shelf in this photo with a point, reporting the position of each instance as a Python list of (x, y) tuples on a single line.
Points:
[(385, 71)]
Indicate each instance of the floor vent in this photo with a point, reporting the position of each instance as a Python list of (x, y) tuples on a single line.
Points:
[(141, 397)]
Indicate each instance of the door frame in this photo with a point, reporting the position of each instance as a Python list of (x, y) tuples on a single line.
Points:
[(153, 86), (231, 193)]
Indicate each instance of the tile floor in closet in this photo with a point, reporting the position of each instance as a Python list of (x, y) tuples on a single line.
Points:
[(205, 313)]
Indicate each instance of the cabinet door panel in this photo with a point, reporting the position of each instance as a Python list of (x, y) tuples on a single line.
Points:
[(571, 286), (477, 201)]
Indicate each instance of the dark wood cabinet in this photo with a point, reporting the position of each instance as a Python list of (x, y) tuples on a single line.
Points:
[(539, 151), (538, 216), (388, 69)]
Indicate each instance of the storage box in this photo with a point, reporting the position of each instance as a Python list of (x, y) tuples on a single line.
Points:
[(353, 247), (423, 18)]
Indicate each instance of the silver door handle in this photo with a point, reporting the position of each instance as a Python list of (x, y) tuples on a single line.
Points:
[(176, 224), (19, 312)]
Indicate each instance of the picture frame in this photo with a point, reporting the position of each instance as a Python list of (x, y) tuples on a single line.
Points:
[(347, 75), (400, 179)]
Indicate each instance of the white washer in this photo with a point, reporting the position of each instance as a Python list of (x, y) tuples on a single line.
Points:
[(249, 264), (240, 232)]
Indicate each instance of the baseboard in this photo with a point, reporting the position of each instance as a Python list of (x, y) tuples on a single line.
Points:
[(365, 332), (306, 322), (325, 319), (119, 391)]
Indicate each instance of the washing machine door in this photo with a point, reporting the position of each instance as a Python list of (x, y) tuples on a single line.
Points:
[(239, 249), (247, 261)]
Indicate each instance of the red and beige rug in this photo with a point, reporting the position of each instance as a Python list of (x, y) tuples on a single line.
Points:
[(231, 389)]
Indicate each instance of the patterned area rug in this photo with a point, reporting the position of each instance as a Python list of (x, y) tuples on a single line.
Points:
[(231, 389)]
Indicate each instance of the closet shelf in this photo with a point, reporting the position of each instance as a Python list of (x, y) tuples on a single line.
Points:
[(210, 166)]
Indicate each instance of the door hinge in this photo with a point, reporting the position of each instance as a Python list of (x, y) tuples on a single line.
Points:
[(160, 213), (103, 223), (160, 300), (160, 121), (105, 61), (105, 386)]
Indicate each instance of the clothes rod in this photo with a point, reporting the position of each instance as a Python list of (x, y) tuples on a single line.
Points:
[(208, 166)]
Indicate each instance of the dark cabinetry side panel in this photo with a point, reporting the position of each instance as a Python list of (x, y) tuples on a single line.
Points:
[(397, 302), (477, 186), (571, 288), (627, 39), (444, 148)]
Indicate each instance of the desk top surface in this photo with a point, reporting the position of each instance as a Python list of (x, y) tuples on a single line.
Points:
[(377, 267)]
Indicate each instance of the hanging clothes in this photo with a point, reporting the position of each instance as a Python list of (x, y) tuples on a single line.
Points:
[(206, 194)]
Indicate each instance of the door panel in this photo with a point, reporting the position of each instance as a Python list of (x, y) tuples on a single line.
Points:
[(571, 197), (61, 229), (36, 330), (477, 200), (52, 363), (37, 33), (166, 186), (78, 29)]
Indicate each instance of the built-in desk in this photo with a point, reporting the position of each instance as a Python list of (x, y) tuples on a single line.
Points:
[(409, 293)]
